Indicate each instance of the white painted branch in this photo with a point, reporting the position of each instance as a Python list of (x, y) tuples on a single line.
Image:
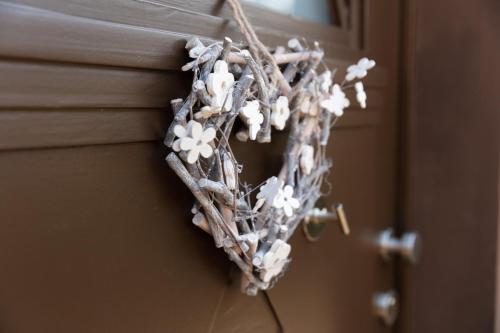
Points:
[(217, 187), (280, 59), (325, 127), (201, 92), (226, 48), (214, 220), (176, 105), (201, 222)]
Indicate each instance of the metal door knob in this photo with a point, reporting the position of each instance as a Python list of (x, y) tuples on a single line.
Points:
[(386, 306), (408, 246), (316, 220)]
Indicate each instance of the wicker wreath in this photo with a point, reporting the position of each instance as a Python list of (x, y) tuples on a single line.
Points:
[(264, 89)]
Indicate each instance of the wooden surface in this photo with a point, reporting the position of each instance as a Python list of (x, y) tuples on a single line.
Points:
[(91, 241), (96, 233), (452, 166)]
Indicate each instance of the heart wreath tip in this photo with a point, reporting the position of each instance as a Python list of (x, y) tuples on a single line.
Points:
[(264, 89)]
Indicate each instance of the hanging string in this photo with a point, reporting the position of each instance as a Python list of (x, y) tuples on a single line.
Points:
[(257, 48)]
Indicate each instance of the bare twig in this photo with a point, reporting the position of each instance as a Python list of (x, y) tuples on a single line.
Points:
[(279, 59), (226, 48), (179, 118), (201, 92), (213, 216), (217, 187), (325, 127), (176, 105)]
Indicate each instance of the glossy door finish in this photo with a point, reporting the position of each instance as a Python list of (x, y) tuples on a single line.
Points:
[(91, 241), (452, 163)]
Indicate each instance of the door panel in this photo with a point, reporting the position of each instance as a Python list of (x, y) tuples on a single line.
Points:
[(241, 314), (330, 283), (96, 233), (98, 239), (452, 166), (333, 279)]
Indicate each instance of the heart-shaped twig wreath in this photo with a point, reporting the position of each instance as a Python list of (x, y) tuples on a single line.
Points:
[(263, 88)]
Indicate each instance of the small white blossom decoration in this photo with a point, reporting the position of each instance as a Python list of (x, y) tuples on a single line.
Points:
[(220, 86), (336, 102), (281, 113), (252, 117), (285, 200), (360, 69), (360, 94), (307, 159), (274, 260), (197, 141), (180, 132), (268, 192)]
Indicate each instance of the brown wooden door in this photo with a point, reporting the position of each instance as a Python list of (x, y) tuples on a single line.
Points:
[(330, 284), (95, 233), (452, 162)]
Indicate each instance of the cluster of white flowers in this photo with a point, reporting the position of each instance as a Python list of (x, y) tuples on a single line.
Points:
[(336, 100), (196, 141), (273, 193), (359, 71), (278, 204), (220, 88)]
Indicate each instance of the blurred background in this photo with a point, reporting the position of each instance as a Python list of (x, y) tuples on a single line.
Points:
[(95, 231)]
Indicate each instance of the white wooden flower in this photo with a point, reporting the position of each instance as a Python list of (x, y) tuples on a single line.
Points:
[(281, 113), (325, 81), (285, 200), (307, 159), (181, 132), (269, 192), (336, 101), (197, 141), (274, 260), (220, 86), (360, 69), (252, 117), (360, 94)]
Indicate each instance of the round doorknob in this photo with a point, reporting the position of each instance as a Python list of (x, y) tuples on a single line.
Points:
[(386, 306), (408, 246)]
